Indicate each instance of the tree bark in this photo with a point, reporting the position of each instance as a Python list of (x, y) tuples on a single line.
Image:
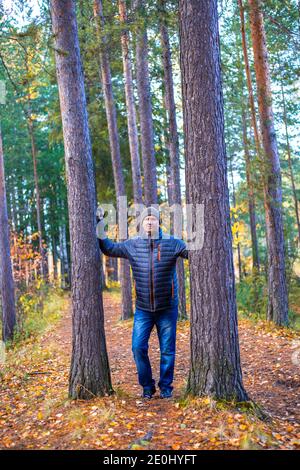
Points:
[(131, 111), (89, 372), (215, 357), (6, 274), (172, 144), (145, 107), (111, 115), (257, 137), (277, 290)]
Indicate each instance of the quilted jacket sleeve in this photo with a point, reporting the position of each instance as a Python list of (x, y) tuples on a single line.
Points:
[(113, 249), (107, 246), (181, 249)]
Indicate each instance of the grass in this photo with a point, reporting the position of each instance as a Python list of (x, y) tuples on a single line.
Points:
[(37, 312)]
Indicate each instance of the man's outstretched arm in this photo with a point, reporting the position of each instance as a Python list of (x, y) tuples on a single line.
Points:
[(107, 246), (181, 249)]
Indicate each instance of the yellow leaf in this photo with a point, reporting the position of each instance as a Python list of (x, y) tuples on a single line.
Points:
[(175, 446)]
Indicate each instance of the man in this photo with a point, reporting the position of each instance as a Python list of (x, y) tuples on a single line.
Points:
[(152, 257)]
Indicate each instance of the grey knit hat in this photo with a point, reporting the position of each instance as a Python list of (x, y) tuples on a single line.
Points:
[(150, 211)]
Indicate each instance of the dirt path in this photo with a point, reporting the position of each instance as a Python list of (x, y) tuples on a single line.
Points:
[(36, 413)]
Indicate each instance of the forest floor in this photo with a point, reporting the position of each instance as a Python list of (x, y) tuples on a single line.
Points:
[(35, 412)]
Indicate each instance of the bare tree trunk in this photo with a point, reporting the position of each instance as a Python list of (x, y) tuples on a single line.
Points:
[(251, 199), (111, 116), (237, 233), (54, 255), (288, 147), (145, 107), (248, 160), (44, 267), (277, 289), (89, 372), (257, 137), (172, 144), (215, 357), (131, 111), (6, 274)]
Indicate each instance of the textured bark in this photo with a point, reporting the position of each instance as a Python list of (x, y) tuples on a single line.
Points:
[(277, 290), (215, 358), (111, 116), (174, 190), (6, 275), (131, 111), (145, 107), (257, 137), (89, 373)]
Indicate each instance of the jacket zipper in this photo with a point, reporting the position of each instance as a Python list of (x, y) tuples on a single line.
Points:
[(152, 300)]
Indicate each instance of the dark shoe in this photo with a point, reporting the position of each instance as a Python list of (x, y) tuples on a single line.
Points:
[(148, 393), (166, 394)]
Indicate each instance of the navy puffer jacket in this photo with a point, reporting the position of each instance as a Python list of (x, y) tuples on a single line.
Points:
[(153, 263)]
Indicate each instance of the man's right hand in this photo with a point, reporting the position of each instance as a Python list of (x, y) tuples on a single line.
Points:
[(99, 214), (100, 229)]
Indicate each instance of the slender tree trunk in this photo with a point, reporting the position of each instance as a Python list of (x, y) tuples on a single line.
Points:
[(257, 137), (54, 255), (131, 111), (89, 372), (44, 268), (111, 116), (249, 167), (250, 190), (6, 275), (288, 148), (277, 289), (237, 233), (215, 357), (145, 106), (172, 144)]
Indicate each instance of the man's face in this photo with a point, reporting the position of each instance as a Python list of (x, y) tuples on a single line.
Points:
[(150, 224)]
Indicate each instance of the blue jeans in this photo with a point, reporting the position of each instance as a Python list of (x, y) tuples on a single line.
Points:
[(166, 322)]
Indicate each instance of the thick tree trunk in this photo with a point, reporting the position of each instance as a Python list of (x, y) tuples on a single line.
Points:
[(277, 289), (215, 357), (131, 111), (89, 373), (6, 274), (145, 107), (111, 115), (172, 144)]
